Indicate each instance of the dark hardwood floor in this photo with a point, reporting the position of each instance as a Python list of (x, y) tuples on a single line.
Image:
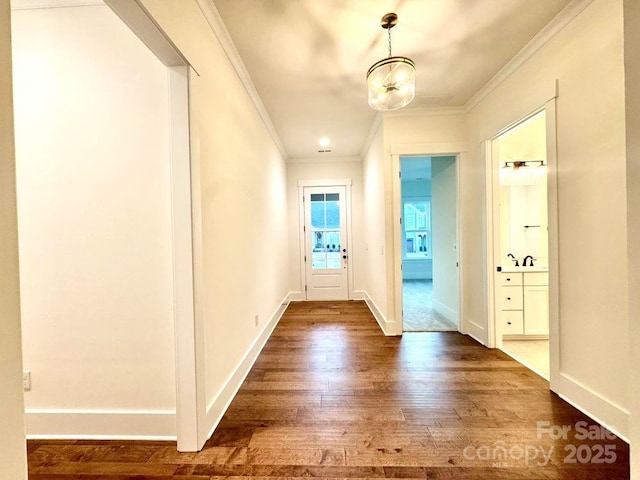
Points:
[(331, 397)]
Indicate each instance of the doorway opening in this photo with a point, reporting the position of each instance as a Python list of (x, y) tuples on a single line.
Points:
[(521, 243), (428, 192)]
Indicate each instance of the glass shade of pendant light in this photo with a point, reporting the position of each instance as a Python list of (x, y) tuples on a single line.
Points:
[(391, 81)]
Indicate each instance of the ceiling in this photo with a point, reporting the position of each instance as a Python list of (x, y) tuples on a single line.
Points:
[(527, 141), (308, 58)]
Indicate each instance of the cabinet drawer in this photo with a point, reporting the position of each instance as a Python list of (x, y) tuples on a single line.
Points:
[(512, 323), (507, 279), (511, 298), (536, 278)]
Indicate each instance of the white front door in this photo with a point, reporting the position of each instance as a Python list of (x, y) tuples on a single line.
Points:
[(325, 236)]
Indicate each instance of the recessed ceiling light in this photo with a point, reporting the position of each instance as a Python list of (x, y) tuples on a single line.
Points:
[(324, 142)]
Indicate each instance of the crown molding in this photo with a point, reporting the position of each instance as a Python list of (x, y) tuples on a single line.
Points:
[(422, 112), (549, 31), (36, 4), (325, 159), (219, 29)]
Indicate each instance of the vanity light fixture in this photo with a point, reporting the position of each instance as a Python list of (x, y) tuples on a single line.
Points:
[(524, 163), (517, 168), (391, 82), (523, 172), (324, 143)]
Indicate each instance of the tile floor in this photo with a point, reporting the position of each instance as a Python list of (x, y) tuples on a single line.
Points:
[(533, 354), (418, 313)]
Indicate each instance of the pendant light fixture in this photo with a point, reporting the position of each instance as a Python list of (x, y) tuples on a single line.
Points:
[(391, 81)]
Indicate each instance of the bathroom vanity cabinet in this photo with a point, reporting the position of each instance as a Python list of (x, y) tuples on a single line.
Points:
[(524, 303)]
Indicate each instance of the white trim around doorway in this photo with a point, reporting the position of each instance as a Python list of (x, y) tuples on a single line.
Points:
[(494, 339), (343, 182), (186, 230), (453, 149)]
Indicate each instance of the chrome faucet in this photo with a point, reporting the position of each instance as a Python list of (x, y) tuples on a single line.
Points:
[(524, 262), (510, 255)]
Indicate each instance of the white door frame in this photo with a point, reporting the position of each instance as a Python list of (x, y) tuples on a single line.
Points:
[(191, 431), (457, 150), (493, 233), (325, 183)]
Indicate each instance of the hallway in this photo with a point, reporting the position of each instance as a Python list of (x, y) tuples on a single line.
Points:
[(418, 314), (330, 396)]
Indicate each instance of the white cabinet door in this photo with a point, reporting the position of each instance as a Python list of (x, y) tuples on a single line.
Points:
[(536, 310), (536, 278)]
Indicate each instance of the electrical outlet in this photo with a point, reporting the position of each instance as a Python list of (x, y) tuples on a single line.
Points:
[(26, 380), (257, 319)]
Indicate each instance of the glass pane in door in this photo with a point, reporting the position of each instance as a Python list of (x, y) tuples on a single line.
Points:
[(325, 231)]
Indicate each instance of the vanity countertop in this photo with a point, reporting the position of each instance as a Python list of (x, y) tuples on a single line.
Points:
[(524, 269)]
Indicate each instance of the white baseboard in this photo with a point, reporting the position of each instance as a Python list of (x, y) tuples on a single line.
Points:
[(591, 403), (296, 297), (416, 276), (100, 425), (217, 408), (446, 311), (475, 331), (359, 295), (389, 328)]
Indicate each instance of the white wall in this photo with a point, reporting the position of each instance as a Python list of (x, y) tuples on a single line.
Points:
[(632, 118), (299, 169), (525, 141), (411, 134), (92, 136), (406, 131), (445, 237), (519, 206), (523, 193), (13, 452), (375, 226), (586, 57), (417, 188), (240, 213)]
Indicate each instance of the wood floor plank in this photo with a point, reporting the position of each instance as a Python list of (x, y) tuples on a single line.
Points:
[(332, 397)]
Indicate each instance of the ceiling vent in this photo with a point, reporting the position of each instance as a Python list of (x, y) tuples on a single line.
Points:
[(324, 151)]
